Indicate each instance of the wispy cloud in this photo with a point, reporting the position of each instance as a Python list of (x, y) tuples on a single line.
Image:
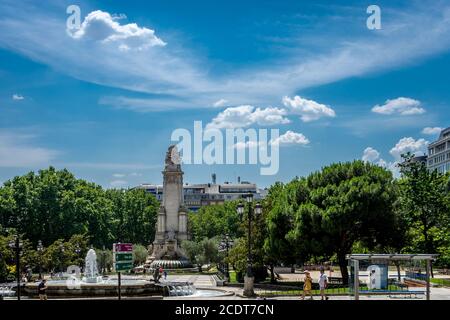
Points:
[(175, 72), (118, 183), (17, 149), (18, 97), (108, 165), (432, 130)]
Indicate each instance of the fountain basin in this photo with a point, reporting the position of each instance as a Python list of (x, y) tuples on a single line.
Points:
[(61, 288)]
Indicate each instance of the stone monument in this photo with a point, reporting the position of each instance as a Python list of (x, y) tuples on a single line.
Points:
[(171, 226)]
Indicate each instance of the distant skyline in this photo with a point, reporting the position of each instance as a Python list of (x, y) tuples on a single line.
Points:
[(103, 100)]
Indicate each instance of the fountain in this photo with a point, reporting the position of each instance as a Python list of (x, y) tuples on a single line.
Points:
[(90, 268)]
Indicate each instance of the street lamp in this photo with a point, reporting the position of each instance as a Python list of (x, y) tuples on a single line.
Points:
[(40, 249), (16, 244), (61, 248), (252, 210), (225, 245), (78, 251)]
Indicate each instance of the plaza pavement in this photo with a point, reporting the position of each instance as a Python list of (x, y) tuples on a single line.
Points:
[(206, 281)]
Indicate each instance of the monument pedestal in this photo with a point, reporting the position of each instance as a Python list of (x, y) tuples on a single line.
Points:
[(171, 226)]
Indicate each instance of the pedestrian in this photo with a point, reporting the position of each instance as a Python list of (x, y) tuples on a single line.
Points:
[(307, 285), (323, 284), (165, 275), (42, 290), (156, 274)]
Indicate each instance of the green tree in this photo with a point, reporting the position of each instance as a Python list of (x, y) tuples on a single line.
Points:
[(424, 196), (215, 220), (201, 252), (139, 254), (345, 203)]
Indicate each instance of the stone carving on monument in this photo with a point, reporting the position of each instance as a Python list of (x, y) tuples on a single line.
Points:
[(171, 225)]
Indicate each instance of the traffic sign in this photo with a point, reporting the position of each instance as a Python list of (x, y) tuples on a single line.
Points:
[(123, 247), (123, 257), (123, 266)]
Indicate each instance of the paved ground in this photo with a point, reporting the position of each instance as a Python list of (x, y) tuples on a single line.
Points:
[(205, 281)]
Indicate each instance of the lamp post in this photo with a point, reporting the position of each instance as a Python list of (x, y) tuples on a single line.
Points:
[(16, 244), (225, 245), (61, 249), (40, 249), (78, 251), (253, 209)]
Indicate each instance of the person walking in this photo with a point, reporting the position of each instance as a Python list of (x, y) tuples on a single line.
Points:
[(165, 275), (323, 284), (307, 285), (42, 290)]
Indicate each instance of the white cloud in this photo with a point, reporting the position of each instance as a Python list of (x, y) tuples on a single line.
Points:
[(246, 115), (220, 103), (370, 155), (373, 156), (135, 174), (17, 97), (308, 110), (432, 130), (109, 165), (291, 138), (17, 151), (248, 144), (118, 183), (123, 175), (409, 144), (101, 26), (402, 106)]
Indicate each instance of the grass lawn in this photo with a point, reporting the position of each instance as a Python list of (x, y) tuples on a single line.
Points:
[(442, 282)]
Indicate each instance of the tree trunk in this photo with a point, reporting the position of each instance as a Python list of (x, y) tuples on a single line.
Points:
[(428, 247), (343, 267), (272, 273), (398, 271)]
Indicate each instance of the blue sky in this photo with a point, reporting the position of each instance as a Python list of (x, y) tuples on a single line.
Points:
[(104, 101)]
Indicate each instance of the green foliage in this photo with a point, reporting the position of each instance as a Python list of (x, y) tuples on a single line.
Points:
[(343, 204), (104, 260), (139, 254), (60, 254), (215, 220), (425, 200), (201, 252), (53, 205)]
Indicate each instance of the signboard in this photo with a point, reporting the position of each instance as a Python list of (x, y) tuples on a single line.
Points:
[(123, 256), (123, 247), (123, 266)]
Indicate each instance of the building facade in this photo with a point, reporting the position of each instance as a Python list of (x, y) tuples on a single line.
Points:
[(439, 153), (198, 195)]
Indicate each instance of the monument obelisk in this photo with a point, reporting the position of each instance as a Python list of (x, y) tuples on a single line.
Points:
[(171, 225)]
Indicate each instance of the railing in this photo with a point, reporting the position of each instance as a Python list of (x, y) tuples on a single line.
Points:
[(298, 291)]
